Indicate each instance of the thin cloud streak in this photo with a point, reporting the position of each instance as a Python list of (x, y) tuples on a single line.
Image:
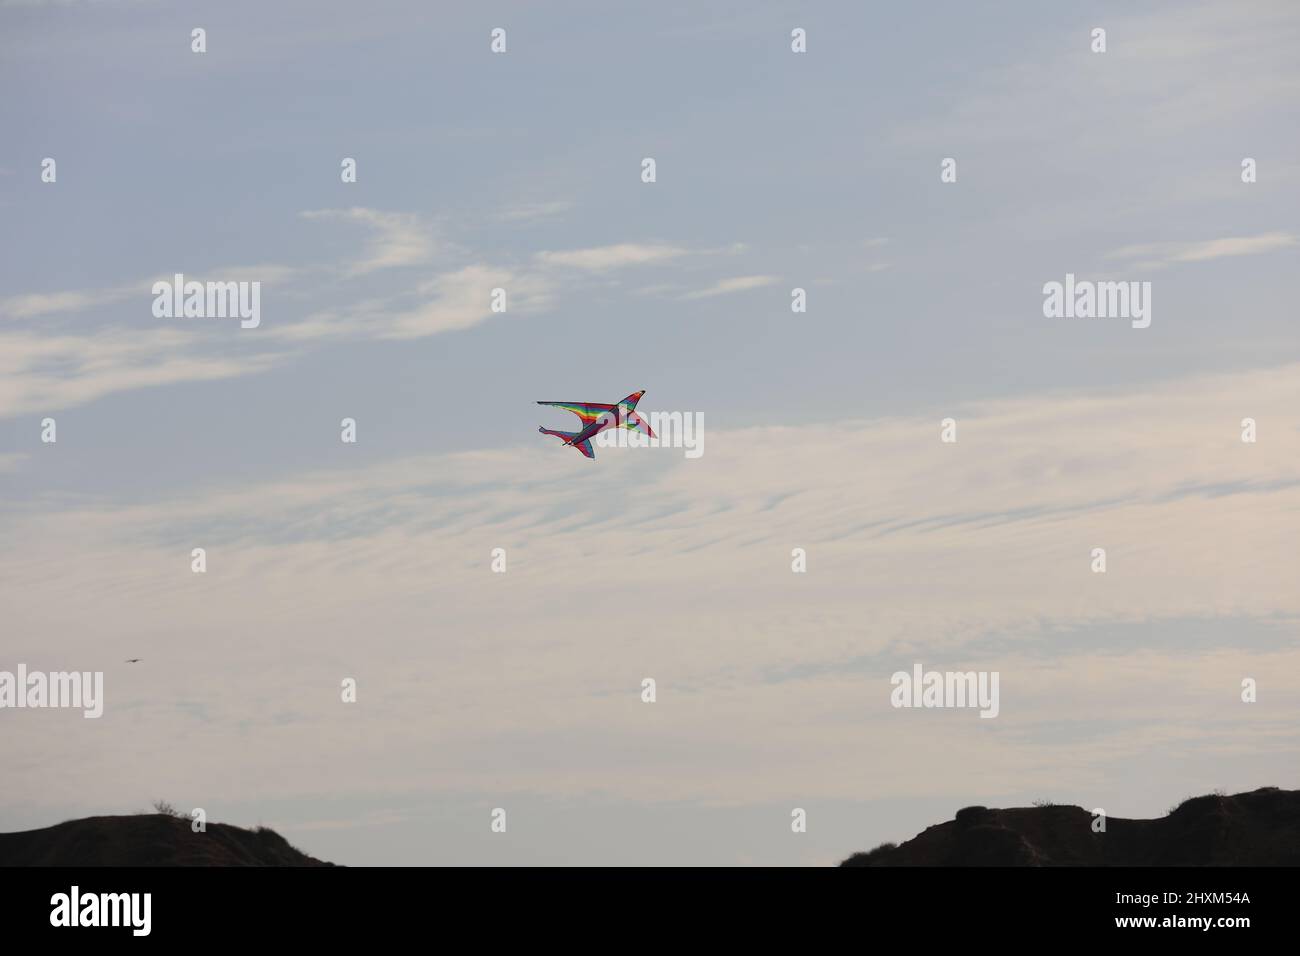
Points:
[(606, 258), (691, 578), (1167, 253), (728, 286), (47, 371)]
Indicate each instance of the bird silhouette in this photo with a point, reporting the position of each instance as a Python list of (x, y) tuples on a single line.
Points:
[(134, 660)]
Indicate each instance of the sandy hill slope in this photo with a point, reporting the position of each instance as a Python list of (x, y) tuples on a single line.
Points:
[(153, 839), (1260, 828)]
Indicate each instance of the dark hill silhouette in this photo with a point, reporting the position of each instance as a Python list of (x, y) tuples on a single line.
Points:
[(1260, 828), (153, 839)]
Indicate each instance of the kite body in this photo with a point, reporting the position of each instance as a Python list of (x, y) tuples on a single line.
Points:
[(596, 418)]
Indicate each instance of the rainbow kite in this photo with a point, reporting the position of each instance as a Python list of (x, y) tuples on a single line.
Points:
[(596, 418)]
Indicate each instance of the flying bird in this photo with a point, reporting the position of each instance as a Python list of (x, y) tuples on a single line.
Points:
[(134, 660), (596, 418)]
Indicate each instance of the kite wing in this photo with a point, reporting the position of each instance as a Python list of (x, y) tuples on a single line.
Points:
[(587, 411), (572, 440)]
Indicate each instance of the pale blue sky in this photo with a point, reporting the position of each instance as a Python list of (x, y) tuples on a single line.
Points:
[(817, 170)]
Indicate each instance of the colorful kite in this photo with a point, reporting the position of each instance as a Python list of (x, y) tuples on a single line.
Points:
[(596, 418)]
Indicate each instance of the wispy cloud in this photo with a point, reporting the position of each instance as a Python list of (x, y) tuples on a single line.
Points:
[(12, 461), (1166, 253), (45, 370), (457, 300), (51, 372), (34, 304), (534, 211), (606, 258), (890, 517), (397, 240), (726, 286), (1151, 77)]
